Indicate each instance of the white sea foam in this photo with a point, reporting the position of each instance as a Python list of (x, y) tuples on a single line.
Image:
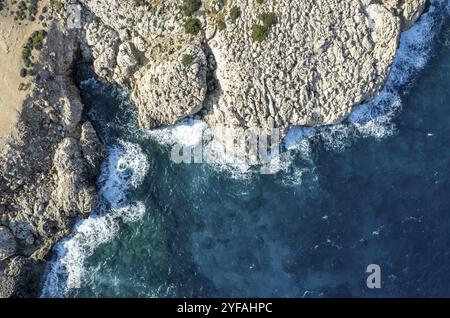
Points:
[(372, 119), (188, 132), (127, 165), (195, 132), (125, 169)]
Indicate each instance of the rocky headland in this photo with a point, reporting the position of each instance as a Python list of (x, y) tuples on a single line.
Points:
[(259, 64), (246, 63), (48, 167)]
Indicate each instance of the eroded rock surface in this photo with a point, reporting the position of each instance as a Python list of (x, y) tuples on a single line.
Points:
[(408, 10), (318, 60), (48, 172), (8, 246), (315, 62)]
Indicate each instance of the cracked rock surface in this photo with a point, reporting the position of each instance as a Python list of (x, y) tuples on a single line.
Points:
[(48, 172), (317, 62), (312, 67)]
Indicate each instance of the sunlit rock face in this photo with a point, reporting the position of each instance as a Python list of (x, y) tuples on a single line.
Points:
[(316, 61)]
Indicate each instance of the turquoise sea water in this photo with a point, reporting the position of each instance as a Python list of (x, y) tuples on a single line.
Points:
[(372, 190)]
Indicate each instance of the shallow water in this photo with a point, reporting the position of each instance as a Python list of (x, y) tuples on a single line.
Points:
[(372, 190)]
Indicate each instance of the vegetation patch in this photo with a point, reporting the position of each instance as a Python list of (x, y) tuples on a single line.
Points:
[(34, 42), (192, 26), (260, 31), (25, 9), (187, 59), (235, 13)]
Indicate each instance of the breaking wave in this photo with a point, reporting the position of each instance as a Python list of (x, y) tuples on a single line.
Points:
[(375, 118), (125, 169), (127, 165), (372, 119)]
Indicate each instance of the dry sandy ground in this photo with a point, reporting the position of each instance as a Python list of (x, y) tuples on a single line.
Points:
[(12, 37)]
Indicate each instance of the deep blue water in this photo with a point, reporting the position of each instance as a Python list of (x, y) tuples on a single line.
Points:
[(374, 190)]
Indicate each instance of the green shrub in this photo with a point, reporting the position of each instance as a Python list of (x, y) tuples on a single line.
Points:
[(268, 19), (23, 72), (235, 13), (221, 25), (191, 6), (139, 3), (186, 59), (192, 26), (259, 32), (37, 39)]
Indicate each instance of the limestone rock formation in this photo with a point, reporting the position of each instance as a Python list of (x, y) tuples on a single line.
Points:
[(170, 90), (8, 244), (48, 172), (148, 59), (74, 192), (313, 63), (318, 62), (91, 148), (240, 64), (19, 277), (408, 10)]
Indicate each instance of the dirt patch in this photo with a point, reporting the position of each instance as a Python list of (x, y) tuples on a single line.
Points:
[(12, 38)]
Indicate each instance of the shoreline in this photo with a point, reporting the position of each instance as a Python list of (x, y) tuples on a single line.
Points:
[(69, 174), (48, 171), (90, 230)]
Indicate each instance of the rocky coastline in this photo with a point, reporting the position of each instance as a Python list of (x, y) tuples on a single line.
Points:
[(238, 64), (247, 64), (48, 171)]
